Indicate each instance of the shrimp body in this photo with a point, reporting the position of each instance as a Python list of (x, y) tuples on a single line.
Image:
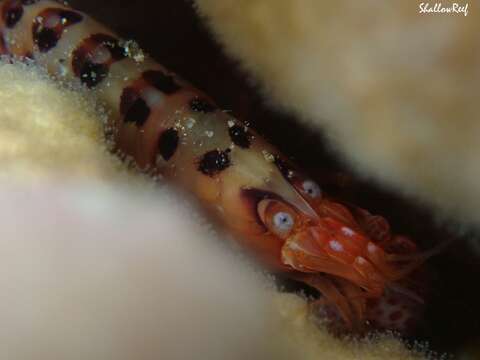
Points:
[(168, 127)]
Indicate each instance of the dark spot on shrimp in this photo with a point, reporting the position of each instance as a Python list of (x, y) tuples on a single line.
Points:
[(133, 107), (161, 81), (92, 74), (168, 143), (240, 136), (138, 113), (202, 105), (86, 67), (29, 2), (12, 13), (46, 38), (214, 162)]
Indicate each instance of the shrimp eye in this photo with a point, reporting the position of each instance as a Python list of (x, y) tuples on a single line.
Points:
[(283, 221), (277, 216), (312, 189)]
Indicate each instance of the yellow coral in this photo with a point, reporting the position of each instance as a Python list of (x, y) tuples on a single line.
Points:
[(45, 129)]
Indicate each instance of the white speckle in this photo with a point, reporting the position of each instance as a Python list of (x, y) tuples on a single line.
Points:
[(132, 50), (140, 57), (336, 246), (371, 247), (62, 70), (209, 133), (347, 231), (268, 156), (190, 123)]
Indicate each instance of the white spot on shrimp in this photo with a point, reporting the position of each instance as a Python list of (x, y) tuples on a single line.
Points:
[(152, 97), (371, 247), (231, 123), (347, 231), (336, 245), (209, 133), (311, 188)]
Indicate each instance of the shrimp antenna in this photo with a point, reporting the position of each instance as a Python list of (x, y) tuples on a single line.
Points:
[(422, 256), (405, 291)]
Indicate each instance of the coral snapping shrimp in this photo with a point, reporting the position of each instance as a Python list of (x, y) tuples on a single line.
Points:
[(169, 127)]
